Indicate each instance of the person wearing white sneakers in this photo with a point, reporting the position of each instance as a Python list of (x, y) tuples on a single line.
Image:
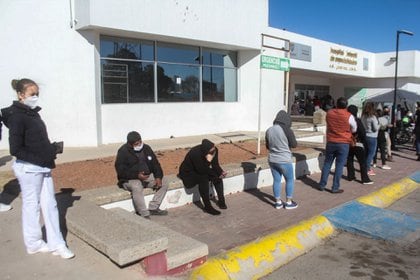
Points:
[(278, 140), (5, 207), (35, 155)]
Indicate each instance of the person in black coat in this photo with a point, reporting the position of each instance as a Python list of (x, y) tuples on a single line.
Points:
[(201, 166), (357, 150), (35, 155), (137, 168)]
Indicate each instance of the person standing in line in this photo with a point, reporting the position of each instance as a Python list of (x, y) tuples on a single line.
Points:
[(201, 167), (381, 145), (371, 125), (358, 151), (279, 138), (417, 131), (137, 168), (35, 156), (340, 126), (387, 134)]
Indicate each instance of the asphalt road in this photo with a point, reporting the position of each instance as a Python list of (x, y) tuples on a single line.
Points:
[(349, 256)]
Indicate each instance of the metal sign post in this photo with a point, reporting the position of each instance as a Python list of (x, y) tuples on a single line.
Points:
[(273, 63)]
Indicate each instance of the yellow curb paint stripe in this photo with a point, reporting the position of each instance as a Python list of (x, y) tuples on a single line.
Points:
[(264, 255), (387, 195)]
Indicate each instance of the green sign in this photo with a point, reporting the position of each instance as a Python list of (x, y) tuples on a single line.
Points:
[(275, 63)]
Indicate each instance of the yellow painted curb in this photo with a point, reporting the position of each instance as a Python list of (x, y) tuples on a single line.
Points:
[(387, 195), (262, 256)]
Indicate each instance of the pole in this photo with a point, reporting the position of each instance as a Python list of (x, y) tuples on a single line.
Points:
[(259, 110), (394, 103)]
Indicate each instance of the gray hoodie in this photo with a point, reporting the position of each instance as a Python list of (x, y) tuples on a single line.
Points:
[(280, 138)]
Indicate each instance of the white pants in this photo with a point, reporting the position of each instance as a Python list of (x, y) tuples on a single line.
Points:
[(38, 194)]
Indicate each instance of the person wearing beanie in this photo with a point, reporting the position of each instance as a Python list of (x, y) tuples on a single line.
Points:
[(340, 126), (137, 168), (201, 167)]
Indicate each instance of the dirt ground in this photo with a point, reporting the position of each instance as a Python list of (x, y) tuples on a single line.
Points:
[(89, 174)]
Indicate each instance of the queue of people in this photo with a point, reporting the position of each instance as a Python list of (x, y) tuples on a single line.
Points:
[(137, 166)]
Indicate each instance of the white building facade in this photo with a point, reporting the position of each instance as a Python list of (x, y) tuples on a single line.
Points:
[(172, 67)]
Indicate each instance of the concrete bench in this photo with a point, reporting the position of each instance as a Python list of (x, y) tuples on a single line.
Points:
[(126, 238)]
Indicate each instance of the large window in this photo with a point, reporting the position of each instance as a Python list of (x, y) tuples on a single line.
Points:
[(146, 71)]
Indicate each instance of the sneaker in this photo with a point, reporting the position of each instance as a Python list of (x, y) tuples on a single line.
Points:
[(337, 191), (291, 205), (211, 210), (63, 252), (222, 204), (5, 207), (369, 182), (278, 204), (158, 212), (386, 167), (371, 173), (374, 165), (42, 249)]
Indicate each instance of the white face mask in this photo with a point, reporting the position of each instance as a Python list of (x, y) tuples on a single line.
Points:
[(138, 148), (31, 101)]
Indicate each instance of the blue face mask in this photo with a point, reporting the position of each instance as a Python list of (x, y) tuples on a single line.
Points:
[(31, 101)]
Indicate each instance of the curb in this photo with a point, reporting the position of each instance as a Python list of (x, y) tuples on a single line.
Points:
[(264, 255)]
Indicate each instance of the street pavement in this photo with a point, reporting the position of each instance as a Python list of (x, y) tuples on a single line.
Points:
[(250, 215), (350, 256)]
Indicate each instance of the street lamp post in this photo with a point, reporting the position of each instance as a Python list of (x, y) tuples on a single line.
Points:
[(394, 104)]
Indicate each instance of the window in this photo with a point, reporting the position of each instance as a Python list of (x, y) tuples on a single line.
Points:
[(131, 69)]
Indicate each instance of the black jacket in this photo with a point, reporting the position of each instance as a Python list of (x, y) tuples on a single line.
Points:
[(127, 163), (196, 163), (28, 138)]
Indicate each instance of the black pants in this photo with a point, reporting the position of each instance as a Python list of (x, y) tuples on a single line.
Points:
[(360, 154), (204, 187), (381, 147)]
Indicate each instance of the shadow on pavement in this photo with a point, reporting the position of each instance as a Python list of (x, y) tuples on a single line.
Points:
[(65, 200)]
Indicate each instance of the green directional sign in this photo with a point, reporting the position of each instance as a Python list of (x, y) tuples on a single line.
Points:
[(275, 63)]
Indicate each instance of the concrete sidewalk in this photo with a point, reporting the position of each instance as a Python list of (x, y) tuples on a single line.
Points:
[(250, 216)]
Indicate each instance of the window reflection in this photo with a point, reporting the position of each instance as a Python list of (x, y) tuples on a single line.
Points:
[(178, 83), (219, 84), (130, 70), (178, 53)]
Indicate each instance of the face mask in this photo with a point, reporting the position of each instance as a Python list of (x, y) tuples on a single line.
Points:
[(31, 101), (138, 148)]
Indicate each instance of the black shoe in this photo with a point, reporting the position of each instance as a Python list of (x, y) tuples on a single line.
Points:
[(337, 191), (146, 217), (211, 210), (321, 189), (351, 178), (158, 212), (222, 205)]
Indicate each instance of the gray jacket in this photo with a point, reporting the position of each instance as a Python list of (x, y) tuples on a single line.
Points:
[(280, 138)]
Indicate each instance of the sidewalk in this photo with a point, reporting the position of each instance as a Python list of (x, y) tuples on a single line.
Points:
[(250, 216)]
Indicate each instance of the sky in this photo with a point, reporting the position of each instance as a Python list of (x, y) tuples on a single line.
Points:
[(369, 25)]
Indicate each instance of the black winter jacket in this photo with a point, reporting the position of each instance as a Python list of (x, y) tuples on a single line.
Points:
[(195, 162), (127, 163), (28, 138)]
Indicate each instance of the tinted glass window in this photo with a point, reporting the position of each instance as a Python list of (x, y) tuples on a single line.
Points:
[(219, 84), (126, 49), (177, 53), (219, 58), (177, 83)]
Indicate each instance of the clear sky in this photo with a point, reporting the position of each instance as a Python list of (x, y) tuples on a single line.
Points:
[(369, 25)]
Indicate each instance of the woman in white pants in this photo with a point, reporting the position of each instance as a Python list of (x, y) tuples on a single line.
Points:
[(35, 156)]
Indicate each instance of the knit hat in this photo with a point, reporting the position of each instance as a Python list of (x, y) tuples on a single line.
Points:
[(133, 137)]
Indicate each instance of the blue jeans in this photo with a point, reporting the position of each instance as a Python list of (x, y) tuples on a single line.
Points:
[(285, 169), (372, 143), (339, 152)]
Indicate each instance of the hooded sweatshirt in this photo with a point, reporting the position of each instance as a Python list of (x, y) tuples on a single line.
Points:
[(280, 138), (195, 162)]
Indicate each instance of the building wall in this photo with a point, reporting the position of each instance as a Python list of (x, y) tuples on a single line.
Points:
[(40, 45)]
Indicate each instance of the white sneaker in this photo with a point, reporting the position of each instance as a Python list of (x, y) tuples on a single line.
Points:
[(43, 249), (386, 167), (63, 252), (5, 207)]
